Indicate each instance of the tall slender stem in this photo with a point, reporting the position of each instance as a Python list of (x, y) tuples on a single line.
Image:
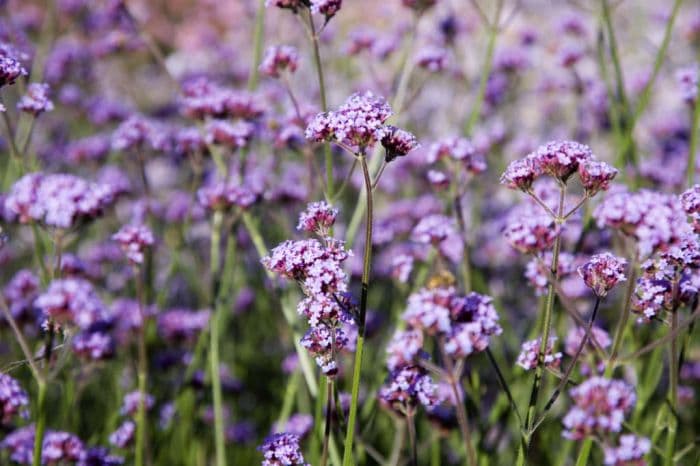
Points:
[(546, 327), (215, 266), (411, 422), (459, 407), (324, 105), (329, 418), (672, 393), (350, 434), (257, 45), (694, 136), (40, 424), (142, 375)]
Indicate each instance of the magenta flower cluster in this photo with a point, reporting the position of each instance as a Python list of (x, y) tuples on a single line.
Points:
[(134, 240), (602, 272), (282, 450)]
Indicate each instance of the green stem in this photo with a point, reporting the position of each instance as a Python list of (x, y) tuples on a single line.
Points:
[(324, 104), (672, 394), (546, 327), (329, 418), (411, 423), (40, 424), (485, 72), (214, 363), (366, 267), (257, 46), (142, 377)]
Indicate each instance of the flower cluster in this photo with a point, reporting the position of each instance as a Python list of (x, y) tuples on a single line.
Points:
[(530, 354), (58, 447), (440, 231), (10, 70), (531, 235), (279, 58), (71, 301), (600, 407), (459, 149), (629, 452), (13, 399), (282, 450), (397, 142), (20, 293), (317, 266), (691, 205), (602, 272), (201, 99), (359, 122), (222, 196), (182, 324), (560, 160), (688, 79), (407, 387), (36, 101), (57, 200), (134, 240)]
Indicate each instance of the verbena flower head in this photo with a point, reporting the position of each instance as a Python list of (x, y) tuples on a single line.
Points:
[(94, 344), (10, 70), (397, 143), (202, 98), (13, 399), (61, 447), (279, 58), (688, 80), (520, 174), (595, 176), (36, 100), (430, 310), (71, 301), (134, 240), (577, 334), (602, 272), (408, 387), (459, 149), (182, 324), (323, 342), (318, 218), (20, 293), (404, 348), (99, 456), (560, 159), (327, 8), (130, 404), (656, 220), (359, 122), (691, 205), (59, 200), (531, 235), (530, 350), (282, 450), (123, 437), (221, 196), (234, 135), (629, 452), (433, 59), (475, 320), (600, 407), (537, 270)]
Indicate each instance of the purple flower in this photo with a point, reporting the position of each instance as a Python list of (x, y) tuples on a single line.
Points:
[(475, 320), (404, 349), (576, 335), (134, 240), (359, 122), (397, 142), (293, 5), (279, 58), (532, 234), (560, 159), (691, 205), (459, 149), (71, 301), (600, 407), (430, 310), (61, 447), (433, 59), (408, 387), (94, 345), (20, 293), (629, 452), (58, 200), (537, 270), (520, 174), (602, 272), (299, 424), (688, 81), (232, 135), (13, 399), (36, 100), (202, 98), (222, 196), (124, 435), (93, 148), (99, 456), (323, 342), (434, 229), (318, 218), (401, 267), (530, 351), (595, 176), (327, 8), (282, 450), (130, 404), (182, 324), (10, 70)]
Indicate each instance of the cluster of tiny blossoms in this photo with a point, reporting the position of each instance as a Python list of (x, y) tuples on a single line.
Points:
[(317, 266), (282, 450), (359, 123), (13, 399), (530, 352), (57, 200), (463, 325), (134, 240), (602, 272)]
